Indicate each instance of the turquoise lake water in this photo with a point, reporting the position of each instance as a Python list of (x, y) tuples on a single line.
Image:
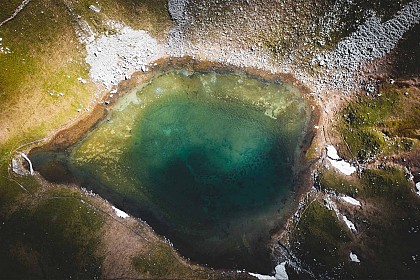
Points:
[(205, 158)]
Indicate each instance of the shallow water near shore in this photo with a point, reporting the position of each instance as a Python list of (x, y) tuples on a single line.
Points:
[(206, 159)]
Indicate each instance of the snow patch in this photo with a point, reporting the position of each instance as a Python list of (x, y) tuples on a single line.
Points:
[(120, 213), (374, 38), (331, 205), (418, 188), (24, 156), (351, 200), (354, 258), (337, 162), (332, 153), (349, 224), (344, 167), (262, 277), (281, 273)]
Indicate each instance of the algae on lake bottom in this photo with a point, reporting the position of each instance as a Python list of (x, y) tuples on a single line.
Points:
[(205, 158)]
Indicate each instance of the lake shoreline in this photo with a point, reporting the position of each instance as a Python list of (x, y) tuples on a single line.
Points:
[(66, 137)]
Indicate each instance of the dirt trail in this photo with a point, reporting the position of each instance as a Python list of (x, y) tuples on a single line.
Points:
[(17, 10)]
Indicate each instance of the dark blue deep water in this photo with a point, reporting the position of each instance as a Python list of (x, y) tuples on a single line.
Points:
[(208, 169)]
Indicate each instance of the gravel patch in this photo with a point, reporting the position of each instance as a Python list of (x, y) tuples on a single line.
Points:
[(373, 39), (115, 57)]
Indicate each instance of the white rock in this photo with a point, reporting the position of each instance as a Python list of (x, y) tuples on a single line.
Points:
[(281, 273), (354, 258), (332, 153), (351, 200), (261, 276), (83, 81), (94, 8), (121, 55), (120, 213), (418, 188), (349, 224)]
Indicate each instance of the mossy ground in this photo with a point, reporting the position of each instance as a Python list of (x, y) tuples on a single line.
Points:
[(388, 233), (318, 239), (377, 130), (160, 261), (48, 231), (381, 124), (54, 235)]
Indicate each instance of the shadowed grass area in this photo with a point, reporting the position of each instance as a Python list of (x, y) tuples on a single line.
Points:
[(161, 262), (318, 240), (388, 227), (408, 57), (55, 239), (49, 234)]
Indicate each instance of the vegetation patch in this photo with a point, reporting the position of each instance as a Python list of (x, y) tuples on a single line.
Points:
[(55, 239), (318, 239), (388, 238), (382, 124), (332, 181), (161, 262)]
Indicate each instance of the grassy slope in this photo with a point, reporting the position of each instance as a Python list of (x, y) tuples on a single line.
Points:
[(374, 128), (387, 222), (51, 233), (381, 125)]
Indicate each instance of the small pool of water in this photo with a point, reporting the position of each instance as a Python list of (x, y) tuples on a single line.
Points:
[(205, 158)]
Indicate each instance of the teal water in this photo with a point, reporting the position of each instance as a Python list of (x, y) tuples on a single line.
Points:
[(204, 158)]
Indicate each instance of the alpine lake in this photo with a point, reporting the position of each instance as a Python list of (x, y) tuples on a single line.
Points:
[(207, 158)]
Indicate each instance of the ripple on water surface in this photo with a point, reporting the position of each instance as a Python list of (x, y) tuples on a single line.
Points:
[(205, 158)]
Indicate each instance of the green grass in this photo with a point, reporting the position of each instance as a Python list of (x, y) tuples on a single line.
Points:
[(56, 238), (161, 262), (318, 239), (149, 15), (50, 234), (388, 183), (331, 181), (388, 225), (380, 125)]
